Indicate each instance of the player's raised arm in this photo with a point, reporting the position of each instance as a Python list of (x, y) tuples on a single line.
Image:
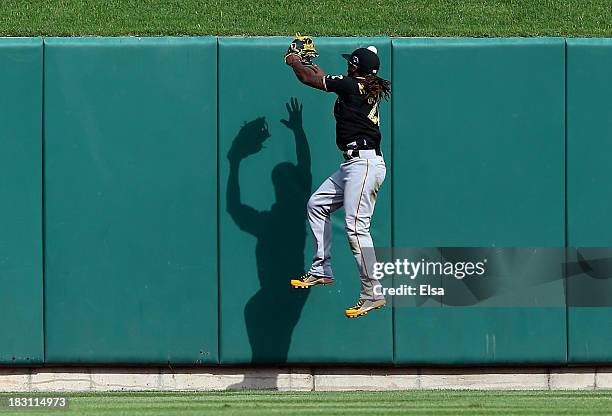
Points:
[(299, 57), (310, 75)]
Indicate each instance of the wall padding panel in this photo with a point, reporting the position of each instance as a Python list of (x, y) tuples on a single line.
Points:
[(264, 239), (130, 196), (478, 157), (589, 197), (21, 278)]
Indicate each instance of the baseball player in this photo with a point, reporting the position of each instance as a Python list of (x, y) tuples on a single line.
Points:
[(356, 183)]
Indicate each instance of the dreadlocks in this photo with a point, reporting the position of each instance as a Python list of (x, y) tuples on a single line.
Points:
[(377, 88)]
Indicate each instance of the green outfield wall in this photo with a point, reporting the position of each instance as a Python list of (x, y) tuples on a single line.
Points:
[(589, 201), (479, 161), (263, 217), (130, 145), (21, 214), (155, 193)]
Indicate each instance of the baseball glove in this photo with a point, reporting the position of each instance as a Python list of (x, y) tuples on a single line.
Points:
[(304, 48)]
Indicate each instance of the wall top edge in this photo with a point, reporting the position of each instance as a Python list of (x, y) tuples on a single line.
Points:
[(34, 41), (479, 41), (589, 41), (399, 41), (255, 40), (129, 40), (422, 38)]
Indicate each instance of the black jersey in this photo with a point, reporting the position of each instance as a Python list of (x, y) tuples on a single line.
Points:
[(356, 115)]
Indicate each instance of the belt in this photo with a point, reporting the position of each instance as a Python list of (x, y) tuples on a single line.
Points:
[(366, 154)]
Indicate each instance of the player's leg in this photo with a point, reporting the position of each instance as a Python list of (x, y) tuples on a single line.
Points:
[(364, 178), (325, 200)]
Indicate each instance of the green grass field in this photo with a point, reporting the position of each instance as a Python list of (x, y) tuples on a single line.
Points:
[(325, 17), (328, 403)]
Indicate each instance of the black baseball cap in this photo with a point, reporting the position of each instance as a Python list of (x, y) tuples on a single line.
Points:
[(366, 59)]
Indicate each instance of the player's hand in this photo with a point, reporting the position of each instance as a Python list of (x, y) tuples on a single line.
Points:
[(292, 58), (295, 115)]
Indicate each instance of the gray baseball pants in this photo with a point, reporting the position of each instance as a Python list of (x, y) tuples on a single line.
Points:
[(354, 186)]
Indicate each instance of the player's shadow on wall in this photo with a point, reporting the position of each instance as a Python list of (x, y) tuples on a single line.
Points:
[(273, 311)]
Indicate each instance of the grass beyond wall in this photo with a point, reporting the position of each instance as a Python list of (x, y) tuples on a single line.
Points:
[(318, 18)]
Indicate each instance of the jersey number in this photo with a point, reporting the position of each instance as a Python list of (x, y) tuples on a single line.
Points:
[(373, 116)]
